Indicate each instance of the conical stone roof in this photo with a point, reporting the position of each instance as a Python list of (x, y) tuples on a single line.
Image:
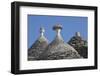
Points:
[(38, 46), (57, 49), (79, 44)]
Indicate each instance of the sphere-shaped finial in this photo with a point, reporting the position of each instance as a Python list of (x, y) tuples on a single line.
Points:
[(57, 27)]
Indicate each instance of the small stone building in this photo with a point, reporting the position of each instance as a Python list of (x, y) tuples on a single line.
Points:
[(58, 49), (38, 47), (79, 44)]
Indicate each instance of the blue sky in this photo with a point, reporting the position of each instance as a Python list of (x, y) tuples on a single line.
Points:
[(70, 24)]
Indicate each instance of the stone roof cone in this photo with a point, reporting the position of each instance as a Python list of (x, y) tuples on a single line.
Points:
[(38, 46), (79, 44), (58, 49)]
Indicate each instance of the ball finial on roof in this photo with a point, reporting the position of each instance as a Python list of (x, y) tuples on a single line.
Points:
[(57, 26)]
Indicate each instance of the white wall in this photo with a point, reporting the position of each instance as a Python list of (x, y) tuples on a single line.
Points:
[(5, 41)]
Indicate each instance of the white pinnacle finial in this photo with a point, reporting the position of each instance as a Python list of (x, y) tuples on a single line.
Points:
[(78, 34), (42, 30), (58, 29)]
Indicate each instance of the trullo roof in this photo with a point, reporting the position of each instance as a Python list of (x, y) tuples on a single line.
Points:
[(58, 49), (38, 46), (79, 44)]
